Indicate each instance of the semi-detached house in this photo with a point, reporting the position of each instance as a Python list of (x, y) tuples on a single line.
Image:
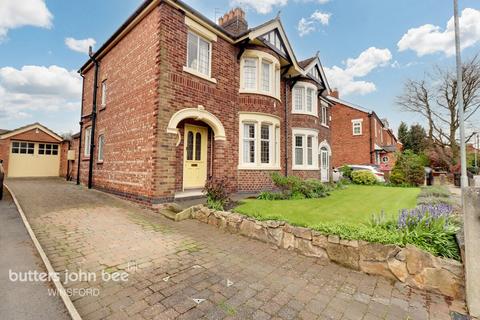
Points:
[(180, 99)]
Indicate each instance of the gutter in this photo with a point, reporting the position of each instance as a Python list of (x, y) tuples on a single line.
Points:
[(286, 127), (80, 136), (370, 135), (94, 120)]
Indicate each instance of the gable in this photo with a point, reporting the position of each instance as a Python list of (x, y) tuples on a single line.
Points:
[(34, 132), (314, 70), (274, 41)]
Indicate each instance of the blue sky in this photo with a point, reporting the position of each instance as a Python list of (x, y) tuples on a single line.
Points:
[(365, 46)]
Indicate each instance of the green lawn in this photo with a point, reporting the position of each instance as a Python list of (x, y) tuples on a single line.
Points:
[(352, 205)]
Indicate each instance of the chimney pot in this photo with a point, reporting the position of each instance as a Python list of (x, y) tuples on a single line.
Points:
[(234, 21)]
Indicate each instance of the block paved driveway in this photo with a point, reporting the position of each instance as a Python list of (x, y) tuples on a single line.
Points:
[(170, 264)]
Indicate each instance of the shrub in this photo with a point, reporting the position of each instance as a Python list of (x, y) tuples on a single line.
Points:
[(217, 193), (435, 191), (271, 196), (363, 177), (409, 168), (293, 187), (346, 172)]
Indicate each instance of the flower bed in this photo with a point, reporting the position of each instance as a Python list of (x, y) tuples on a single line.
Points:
[(407, 264)]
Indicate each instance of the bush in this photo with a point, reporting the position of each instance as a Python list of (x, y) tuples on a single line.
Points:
[(293, 187), (409, 169), (346, 172), (217, 193), (271, 196), (363, 177)]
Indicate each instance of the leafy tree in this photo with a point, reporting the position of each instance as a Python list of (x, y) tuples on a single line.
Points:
[(417, 139), (408, 169), (403, 133)]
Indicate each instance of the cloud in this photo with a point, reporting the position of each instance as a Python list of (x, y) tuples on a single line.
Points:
[(345, 79), (261, 6), (428, 39), (16, 14), (38, 88), (80, 45), (308, 25)]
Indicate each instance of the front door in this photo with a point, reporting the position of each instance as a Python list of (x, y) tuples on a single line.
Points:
[(324, 165), (195, 157)]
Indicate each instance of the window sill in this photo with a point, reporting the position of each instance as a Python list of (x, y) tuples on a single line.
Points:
[(198, 74), (102, 107), (259, 93), (258, 168), (325, 126), (305, 113), (297, 168), (86, 158), (100, 162)]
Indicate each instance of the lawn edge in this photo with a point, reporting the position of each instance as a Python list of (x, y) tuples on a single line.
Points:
[(58, 284)]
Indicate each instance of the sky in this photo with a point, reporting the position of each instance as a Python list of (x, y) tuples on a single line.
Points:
[(368, 48)]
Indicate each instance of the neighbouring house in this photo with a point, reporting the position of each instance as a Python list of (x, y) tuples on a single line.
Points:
[(359, 136), (179, 98), (33, 151)]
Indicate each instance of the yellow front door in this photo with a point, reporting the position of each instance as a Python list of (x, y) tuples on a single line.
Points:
[(195, 157)]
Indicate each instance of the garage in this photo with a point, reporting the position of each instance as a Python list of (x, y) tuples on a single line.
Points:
[(31, 151)]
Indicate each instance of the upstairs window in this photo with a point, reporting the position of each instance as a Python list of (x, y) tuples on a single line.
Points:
[(357, 127), (324, 115), (101, 145), (305, 98), (260, 73), (198, 54), (104, 93)]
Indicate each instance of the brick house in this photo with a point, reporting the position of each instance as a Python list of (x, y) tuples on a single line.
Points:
[(179, 99), (33, 150), (360, 137)]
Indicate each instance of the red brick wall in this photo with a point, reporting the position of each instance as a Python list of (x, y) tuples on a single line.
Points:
[(129, 119), (347, 148)]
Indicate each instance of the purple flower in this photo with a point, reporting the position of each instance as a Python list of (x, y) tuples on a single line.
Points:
[(409, 218)]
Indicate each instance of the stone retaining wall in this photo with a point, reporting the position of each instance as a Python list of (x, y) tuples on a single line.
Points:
[(409, 265)]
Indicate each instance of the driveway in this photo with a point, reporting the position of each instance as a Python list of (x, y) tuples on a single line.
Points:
[(22, 300), (189, 270)]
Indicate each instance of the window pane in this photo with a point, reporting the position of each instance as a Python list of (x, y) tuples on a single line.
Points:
[(55, 146), (299, 150), (266, 76), (309, 150), (265, 144), (299, 92), (198, 146), (204, 57), (250, 74), (298, 141), (249, 143), (87, 141), (15, 144), (101, 143), (309, 100), (192, 51), (23, 150), (249, 131), (104, 93), (190, 145)]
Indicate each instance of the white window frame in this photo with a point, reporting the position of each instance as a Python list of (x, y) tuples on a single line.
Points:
[(88, 139), (305, 133), (259, 119), (357, 122), (207, 36), (104, 93), (376, 131), (304, 88), (274, 74), (101, 147), (324, 114)]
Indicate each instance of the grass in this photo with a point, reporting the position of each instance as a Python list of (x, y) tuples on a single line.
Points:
[(353, 205)]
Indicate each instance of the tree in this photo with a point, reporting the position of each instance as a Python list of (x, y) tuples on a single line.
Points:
[(413, 138), (403, 133), (417, 139), (435, 99)]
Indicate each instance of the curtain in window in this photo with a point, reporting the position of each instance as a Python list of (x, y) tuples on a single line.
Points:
[(204, 57), (266, 76), (250, 73)]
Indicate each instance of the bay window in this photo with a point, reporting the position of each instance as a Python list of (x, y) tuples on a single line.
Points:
[(305, 149), (305, 98), (259, 142), (260, 73)]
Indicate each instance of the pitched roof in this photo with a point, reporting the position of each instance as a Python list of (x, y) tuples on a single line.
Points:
[(35, 125), (304, 63), (349, 104), (3, 131)]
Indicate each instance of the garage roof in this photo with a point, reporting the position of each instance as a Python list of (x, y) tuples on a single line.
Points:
[(28, 127)]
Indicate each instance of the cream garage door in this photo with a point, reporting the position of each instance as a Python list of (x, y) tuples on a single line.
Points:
[(33, 159)]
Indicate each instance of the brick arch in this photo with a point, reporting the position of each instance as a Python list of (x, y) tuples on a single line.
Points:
[(199, 114)]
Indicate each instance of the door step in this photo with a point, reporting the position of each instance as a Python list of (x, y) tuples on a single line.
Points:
[(175, 213)]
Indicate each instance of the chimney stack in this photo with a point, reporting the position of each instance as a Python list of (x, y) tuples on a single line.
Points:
[(334, 93), (234, 21)]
